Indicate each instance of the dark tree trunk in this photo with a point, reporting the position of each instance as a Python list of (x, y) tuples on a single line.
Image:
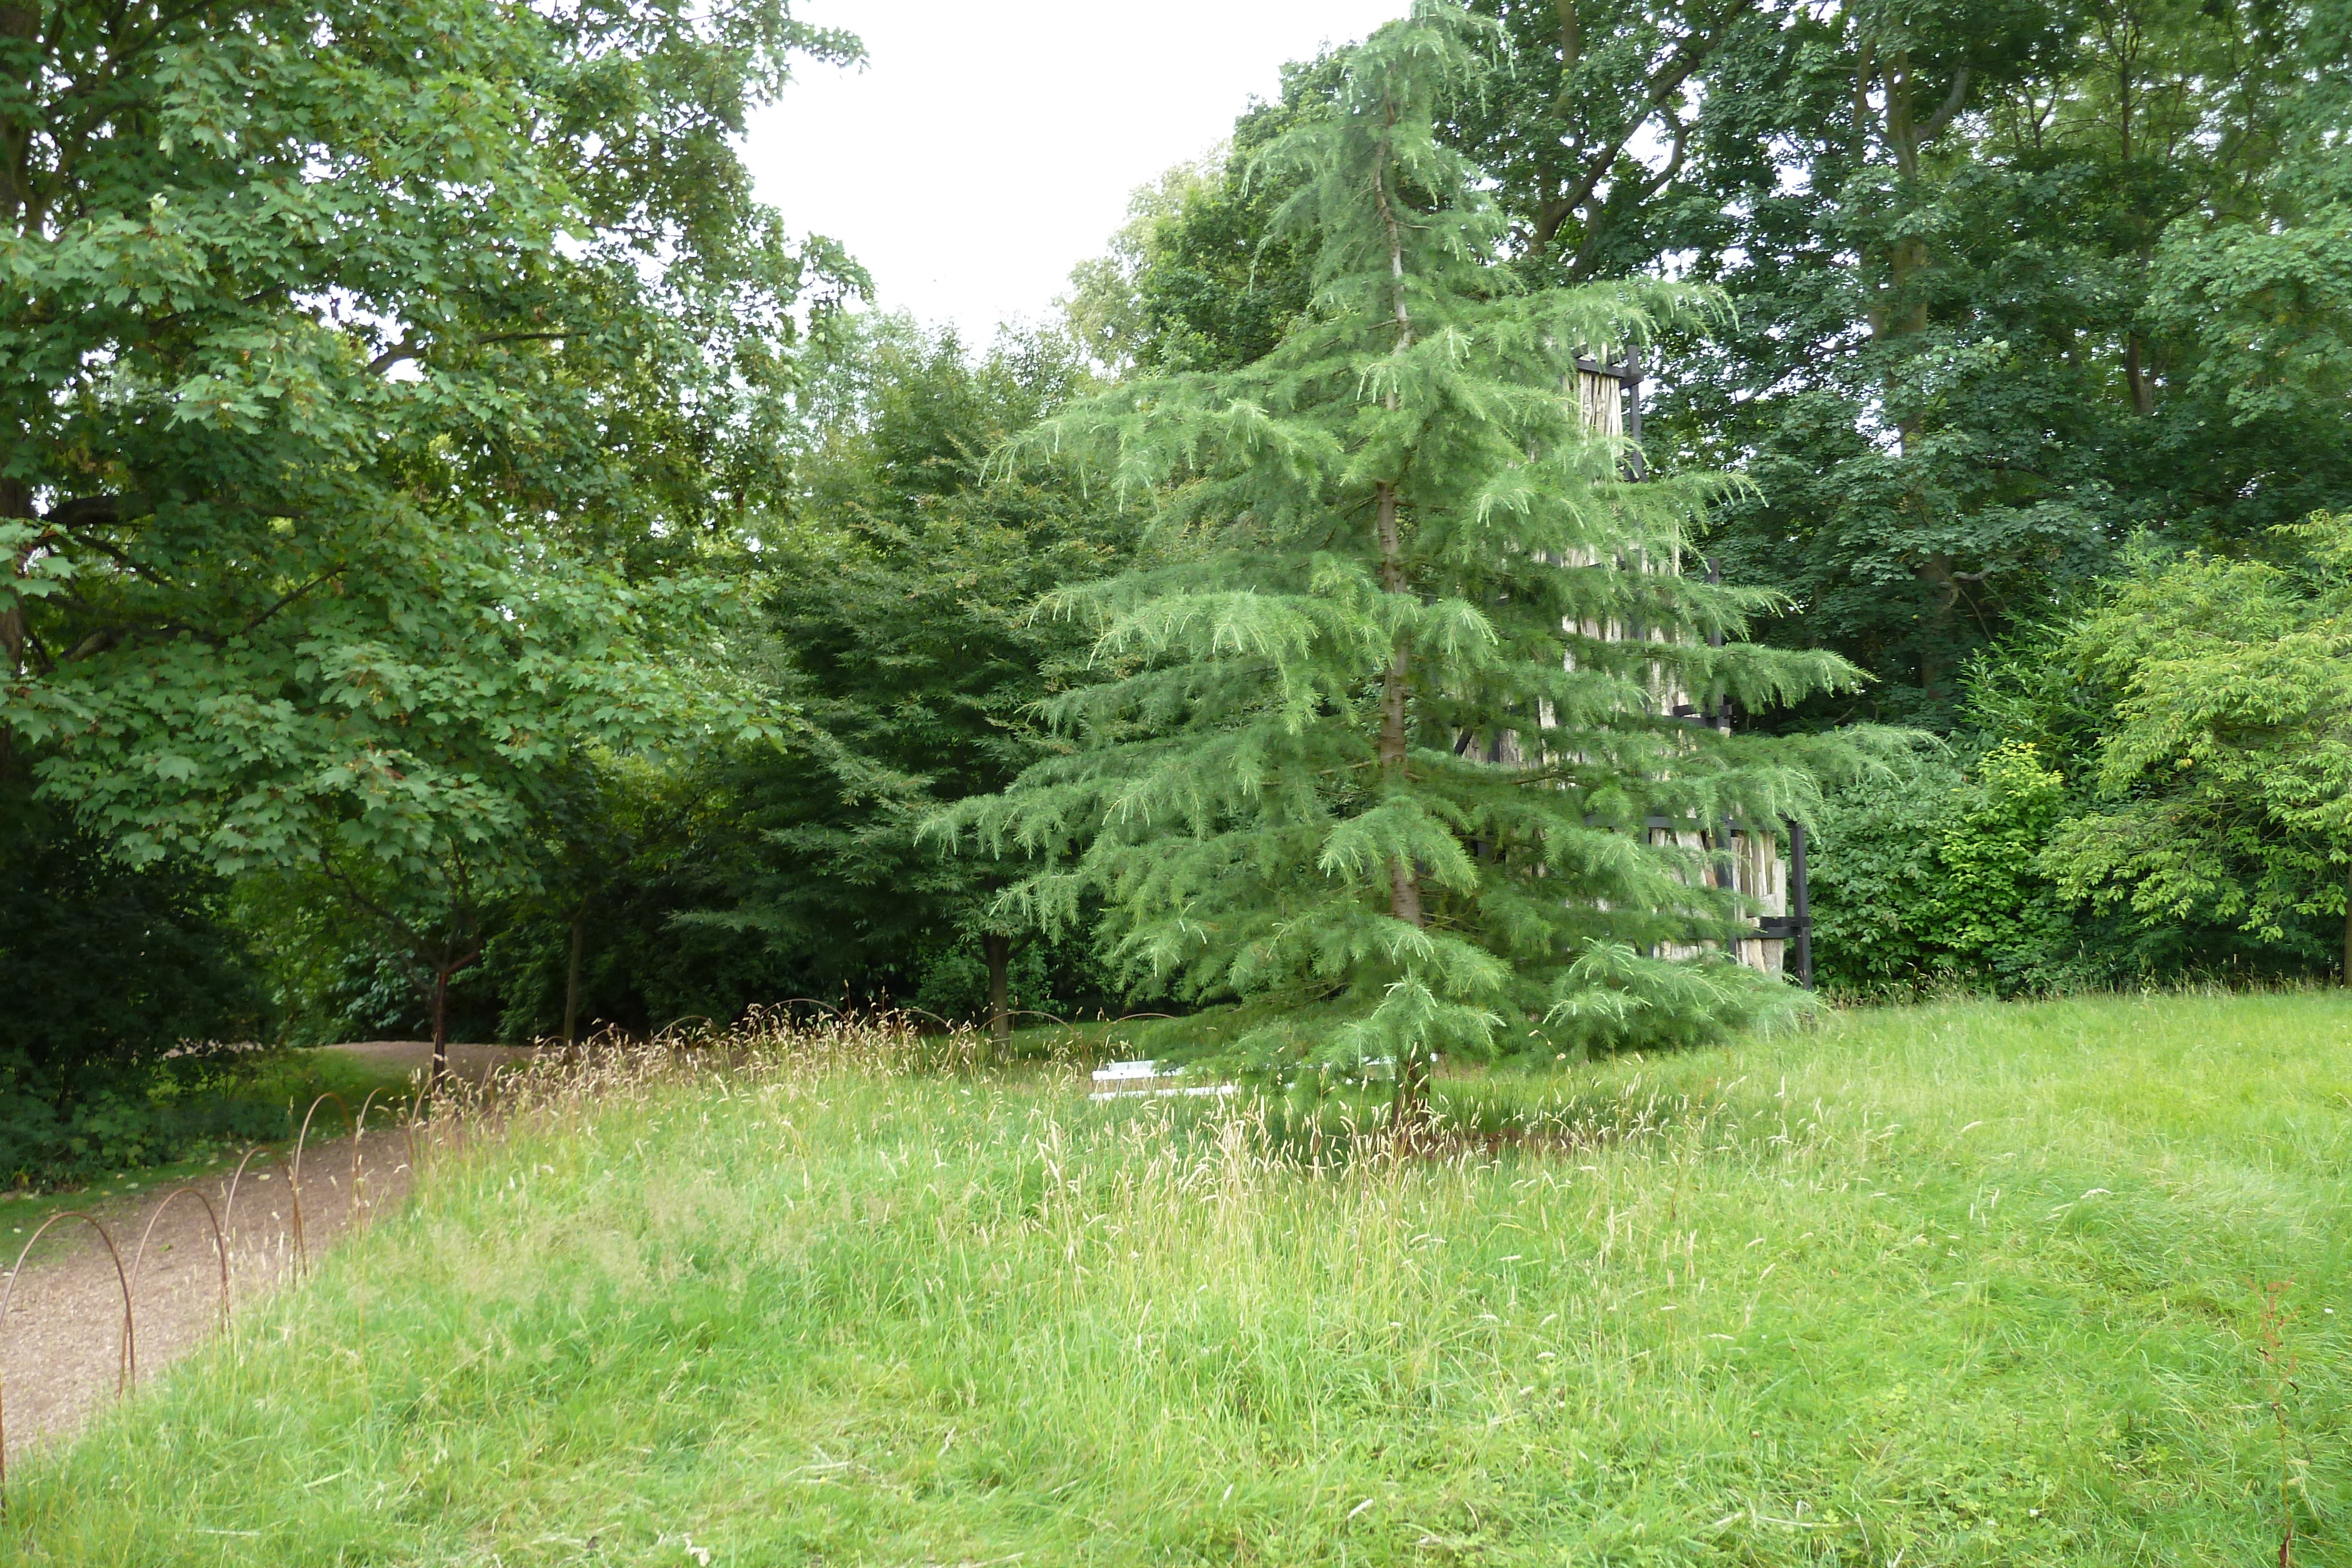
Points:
[(1405, 878), (1404, 884), (440, 1005), (2143, 390), (16, 501), (999, 949), (572, 977), (437, 1001)]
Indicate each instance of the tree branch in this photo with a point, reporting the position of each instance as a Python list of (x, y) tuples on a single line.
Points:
[(85, 510), (400, 352), (1952, 101), (411, 938), (1689, 55), (1591, 244), (290, 598)]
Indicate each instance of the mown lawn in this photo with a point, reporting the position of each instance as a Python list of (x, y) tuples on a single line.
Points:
[(1953, 1284)]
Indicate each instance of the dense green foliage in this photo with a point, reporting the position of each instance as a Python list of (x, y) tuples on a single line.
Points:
[(458, 548), (1198, 280), (904, 596), (380, 383), (1929, 878), (896, 591), (1973, 1285), (1372, 733), (2013, 279), (90, 1039), (2225, 782), (2191, 827), (2013, 284)]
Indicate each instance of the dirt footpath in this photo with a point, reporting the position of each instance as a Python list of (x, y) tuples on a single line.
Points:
[(61, 1347)]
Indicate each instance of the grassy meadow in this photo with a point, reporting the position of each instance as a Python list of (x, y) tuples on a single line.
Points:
[(1962, 1283)]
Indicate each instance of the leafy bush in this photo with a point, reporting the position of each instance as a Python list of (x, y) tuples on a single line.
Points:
[(1873, 872), (2224, 780), (1926, 875), (125, 989), (1999, 918)]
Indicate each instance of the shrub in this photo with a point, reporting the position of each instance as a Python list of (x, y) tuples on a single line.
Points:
[(1926, 876), (125, 987)]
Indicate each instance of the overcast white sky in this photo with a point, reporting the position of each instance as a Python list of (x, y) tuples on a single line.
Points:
[(987, 148)]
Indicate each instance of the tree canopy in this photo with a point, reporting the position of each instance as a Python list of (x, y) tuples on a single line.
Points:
[(902, 605), (1373, 736), (382, 387), (466, 558)]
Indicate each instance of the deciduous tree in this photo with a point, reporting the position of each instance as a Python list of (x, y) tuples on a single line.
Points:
[(379, 384), (2228, 777)]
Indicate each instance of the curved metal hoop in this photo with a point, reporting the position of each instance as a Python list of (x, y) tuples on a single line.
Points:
[(220, 1242), (128, 1366), (359, 1125), (294, 1193), (675, 1036), (359, 1128), (342, 1104), (414, 1119)]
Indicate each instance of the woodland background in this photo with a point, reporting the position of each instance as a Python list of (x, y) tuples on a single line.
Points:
[(2038, 370)]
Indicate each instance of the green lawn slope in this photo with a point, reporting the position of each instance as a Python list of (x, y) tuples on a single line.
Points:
[(1953, 1284)]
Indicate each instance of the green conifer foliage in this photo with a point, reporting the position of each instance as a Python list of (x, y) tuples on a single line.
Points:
[(1381, 729)]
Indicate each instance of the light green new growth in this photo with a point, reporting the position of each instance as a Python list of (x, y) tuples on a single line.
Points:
[(2228, 776)]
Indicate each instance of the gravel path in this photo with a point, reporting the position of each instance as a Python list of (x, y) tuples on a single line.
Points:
[(61, 1347)]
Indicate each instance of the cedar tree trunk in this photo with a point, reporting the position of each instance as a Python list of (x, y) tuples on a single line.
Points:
[(999, 949)]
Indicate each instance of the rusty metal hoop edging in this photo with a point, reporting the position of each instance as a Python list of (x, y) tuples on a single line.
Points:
[(303, 1134), (293, 1191), (220, 1244), (127, 1364), (413, 1120), (359, 1129)]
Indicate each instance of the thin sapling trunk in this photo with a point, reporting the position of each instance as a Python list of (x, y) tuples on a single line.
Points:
[(440, 1027), (999, 950), (571, 976)]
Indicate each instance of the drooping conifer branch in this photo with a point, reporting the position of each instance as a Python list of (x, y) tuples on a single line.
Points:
[(1265, 792)]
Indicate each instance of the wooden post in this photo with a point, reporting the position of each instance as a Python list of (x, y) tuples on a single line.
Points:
[(1800, 903)]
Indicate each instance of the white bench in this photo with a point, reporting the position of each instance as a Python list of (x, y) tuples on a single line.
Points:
[(1126, 1080)]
